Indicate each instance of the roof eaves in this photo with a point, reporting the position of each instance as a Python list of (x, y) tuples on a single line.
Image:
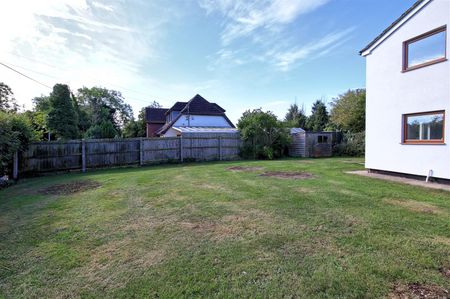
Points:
[(395, 23)]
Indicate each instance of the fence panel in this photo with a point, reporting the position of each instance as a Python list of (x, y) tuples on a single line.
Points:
[(51, 156), (111, 152), (100, 153)]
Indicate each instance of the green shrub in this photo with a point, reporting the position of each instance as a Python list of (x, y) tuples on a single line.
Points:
[(353, 144), (16, 132), (263, 135)]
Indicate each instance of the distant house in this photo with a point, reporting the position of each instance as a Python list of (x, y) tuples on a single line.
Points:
[(408, 94), (194, 116), (155, 119)]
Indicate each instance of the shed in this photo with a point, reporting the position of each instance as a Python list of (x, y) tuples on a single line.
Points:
[(310, 144)]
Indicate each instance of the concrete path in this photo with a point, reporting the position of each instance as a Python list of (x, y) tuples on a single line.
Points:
[(401, 180)]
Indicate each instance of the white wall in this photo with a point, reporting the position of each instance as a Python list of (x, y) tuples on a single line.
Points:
[(202, 121), (171, 133), (391, 93)]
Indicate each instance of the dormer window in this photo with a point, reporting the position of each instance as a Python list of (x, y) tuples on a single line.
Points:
[(426, 49)]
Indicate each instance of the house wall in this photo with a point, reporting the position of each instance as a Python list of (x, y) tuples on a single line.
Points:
[(152, 128), (171, 133), (202, 121), (392, 93)]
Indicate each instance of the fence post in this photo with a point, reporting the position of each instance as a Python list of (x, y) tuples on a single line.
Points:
[(141, 151), (83, 155), (220, 148), (16, 165), (181, 148)]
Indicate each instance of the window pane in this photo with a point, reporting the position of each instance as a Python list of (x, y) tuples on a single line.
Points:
[(425, 127), (427, 49)]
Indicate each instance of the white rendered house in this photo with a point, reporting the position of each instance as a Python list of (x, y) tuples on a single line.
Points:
[(408, 93)]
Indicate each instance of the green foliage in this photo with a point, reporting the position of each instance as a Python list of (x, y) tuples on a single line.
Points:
[(353, 144), (104, 130), (318, 119), (137, 128), (295, 117), (100, 106), (16, 132), (348, 111), (7, 100), (263, 135), (62, 117)]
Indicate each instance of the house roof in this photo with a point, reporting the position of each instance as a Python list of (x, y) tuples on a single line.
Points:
[(385, 31), (206, 130), (197, 106), (178, 106), (155, 115)]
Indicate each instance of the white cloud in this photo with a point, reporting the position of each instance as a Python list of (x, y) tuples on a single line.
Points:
[(79, 42), (243, 18), (286, 59), (102, 6)]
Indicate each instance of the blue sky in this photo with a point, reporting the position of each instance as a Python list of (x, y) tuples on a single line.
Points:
[(240, 54)]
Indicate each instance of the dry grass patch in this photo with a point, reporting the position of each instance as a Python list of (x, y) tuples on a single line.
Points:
[(245, 168), (414, 206), (442, 240), (113, 264), (69, 188), (445, 271), (419, 291), (288, 175), (243, 224)]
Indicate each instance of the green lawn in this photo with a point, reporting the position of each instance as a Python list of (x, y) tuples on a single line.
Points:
[(202, 230)]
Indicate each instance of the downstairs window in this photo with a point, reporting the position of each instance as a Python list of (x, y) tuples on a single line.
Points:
[(427, 127)]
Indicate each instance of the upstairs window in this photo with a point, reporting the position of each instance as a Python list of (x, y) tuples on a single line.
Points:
[(425, 49), (427, 127)]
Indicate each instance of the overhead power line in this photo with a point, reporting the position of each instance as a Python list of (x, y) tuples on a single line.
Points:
[(26, 76), (109, 83)]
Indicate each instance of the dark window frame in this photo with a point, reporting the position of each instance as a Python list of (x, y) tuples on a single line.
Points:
[(322, 139), (405, 139), (406, 67)]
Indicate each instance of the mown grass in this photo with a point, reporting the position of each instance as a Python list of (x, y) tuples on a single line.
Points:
[(201, 230)]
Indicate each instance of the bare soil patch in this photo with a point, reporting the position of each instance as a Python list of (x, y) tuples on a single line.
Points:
[(69, 188), (416, 290), (415, 206), (288, 175), (245, 168)]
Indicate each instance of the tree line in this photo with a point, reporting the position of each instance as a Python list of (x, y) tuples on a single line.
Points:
[(266, 137), (97, 112), (64, 114)]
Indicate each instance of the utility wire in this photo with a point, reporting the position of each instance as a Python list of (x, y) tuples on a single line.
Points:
[(28, 77), (109, 83), (58, 78)]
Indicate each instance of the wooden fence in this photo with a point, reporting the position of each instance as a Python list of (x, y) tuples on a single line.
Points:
[(101, 153)]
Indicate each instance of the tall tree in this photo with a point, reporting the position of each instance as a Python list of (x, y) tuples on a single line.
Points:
[(348, 112), (62, 117), (295, 117), (7, 100), (103, 105), (318, 119)]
